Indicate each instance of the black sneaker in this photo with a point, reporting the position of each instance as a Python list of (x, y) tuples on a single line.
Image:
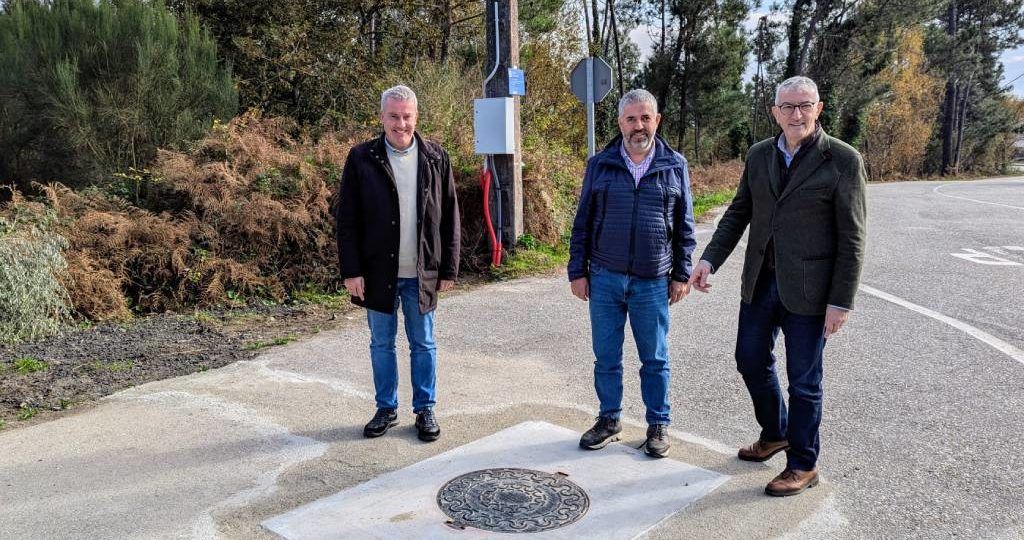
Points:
[(606, 430), (426, 426), (384, 420), (657, 441)]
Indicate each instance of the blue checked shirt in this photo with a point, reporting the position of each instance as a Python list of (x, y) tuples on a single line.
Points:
[(638, 170)]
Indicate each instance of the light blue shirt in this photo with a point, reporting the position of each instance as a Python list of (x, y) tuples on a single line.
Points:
[(785, 151)]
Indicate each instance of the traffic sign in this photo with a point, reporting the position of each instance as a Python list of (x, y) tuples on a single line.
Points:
[(602, 81)]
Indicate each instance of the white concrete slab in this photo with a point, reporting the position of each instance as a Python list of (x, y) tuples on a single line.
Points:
[(629, 492)]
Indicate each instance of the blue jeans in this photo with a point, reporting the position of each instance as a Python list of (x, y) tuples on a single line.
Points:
[(419, 330), (613, 297), (759, 326)]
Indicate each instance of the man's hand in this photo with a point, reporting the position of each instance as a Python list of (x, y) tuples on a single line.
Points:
[(355, 286), (677, 290), (580, 288), (446, 285), (834, 320), (699, 277)]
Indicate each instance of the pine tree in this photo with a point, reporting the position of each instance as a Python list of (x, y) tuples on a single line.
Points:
[(90, 88)]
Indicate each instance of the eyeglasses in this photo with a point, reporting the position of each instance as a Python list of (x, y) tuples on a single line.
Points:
[(788, 108)]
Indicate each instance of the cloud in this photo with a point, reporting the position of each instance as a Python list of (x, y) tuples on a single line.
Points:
[(750, 23), (641, 35)]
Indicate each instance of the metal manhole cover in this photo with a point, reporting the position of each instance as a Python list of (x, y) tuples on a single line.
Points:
[(512, 500)]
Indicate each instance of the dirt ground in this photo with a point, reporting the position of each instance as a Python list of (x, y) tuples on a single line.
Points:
[(41, 380)]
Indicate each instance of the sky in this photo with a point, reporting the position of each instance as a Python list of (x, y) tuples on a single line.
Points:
[(1013, 60), (1013, 66)]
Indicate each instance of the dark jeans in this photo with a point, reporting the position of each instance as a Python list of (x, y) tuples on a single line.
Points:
[(759, 325)]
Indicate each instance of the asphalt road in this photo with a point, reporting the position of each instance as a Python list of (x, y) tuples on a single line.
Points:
[(923, 431)]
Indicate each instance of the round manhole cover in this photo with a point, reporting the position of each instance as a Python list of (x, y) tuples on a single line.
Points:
[(512, 500)]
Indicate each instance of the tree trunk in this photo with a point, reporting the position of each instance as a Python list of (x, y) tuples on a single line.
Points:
[(446, 30), (618, 50), (949, 105), (696, 133), (961, 124), (796, 22), (820, 11), (670, 67), (663, 27), (683, 85), (586, 21), (605, 34)]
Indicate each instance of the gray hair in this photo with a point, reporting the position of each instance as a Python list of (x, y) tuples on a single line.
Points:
[(397, 93), (797, 83), (638, 95)]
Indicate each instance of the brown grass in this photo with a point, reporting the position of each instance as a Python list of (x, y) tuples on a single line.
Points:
[(247, 211), (721, 176)]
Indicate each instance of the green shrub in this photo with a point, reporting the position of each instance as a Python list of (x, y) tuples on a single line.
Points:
[(532, 257), (89, 88), (33, 300)]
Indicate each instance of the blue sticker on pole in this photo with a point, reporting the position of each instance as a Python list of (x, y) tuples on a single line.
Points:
[(516, 82)]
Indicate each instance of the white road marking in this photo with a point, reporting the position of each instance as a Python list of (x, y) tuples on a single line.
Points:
[(980, 257), (938, 192), (980, 335)]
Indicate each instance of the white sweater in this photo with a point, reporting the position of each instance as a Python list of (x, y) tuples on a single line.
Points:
[(404, 165)]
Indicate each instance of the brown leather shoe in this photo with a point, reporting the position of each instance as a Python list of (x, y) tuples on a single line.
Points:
[(762, 450), (791, 481)]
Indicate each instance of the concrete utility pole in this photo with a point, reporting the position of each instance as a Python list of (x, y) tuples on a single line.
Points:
[(507, 166)]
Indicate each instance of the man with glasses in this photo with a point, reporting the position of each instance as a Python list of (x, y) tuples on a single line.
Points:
[(802, 193)]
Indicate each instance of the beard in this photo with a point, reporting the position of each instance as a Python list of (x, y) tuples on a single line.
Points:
[(639, 141)]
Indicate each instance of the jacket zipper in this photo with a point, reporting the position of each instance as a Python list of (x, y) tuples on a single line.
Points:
[(604, 210), (665, 194), (632, 227)]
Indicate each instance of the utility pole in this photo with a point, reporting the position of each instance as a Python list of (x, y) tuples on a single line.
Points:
[(508, 167)]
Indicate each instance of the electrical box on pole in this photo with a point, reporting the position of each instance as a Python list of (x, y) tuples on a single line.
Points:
[(494, 126)]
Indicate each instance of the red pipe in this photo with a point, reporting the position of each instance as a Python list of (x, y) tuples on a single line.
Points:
[(485, 184)]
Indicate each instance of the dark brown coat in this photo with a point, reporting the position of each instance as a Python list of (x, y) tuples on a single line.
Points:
[(367, 216)]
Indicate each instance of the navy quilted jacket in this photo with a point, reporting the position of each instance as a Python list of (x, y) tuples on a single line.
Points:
[(645, 231)]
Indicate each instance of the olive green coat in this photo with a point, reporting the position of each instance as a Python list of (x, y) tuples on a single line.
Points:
[(818, 222)]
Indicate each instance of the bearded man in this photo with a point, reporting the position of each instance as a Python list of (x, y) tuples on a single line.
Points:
[(630, 251)]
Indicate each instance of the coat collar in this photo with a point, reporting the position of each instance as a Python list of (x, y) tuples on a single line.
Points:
[(664, 156), (816, 156), (426, 155), (426, 150)]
